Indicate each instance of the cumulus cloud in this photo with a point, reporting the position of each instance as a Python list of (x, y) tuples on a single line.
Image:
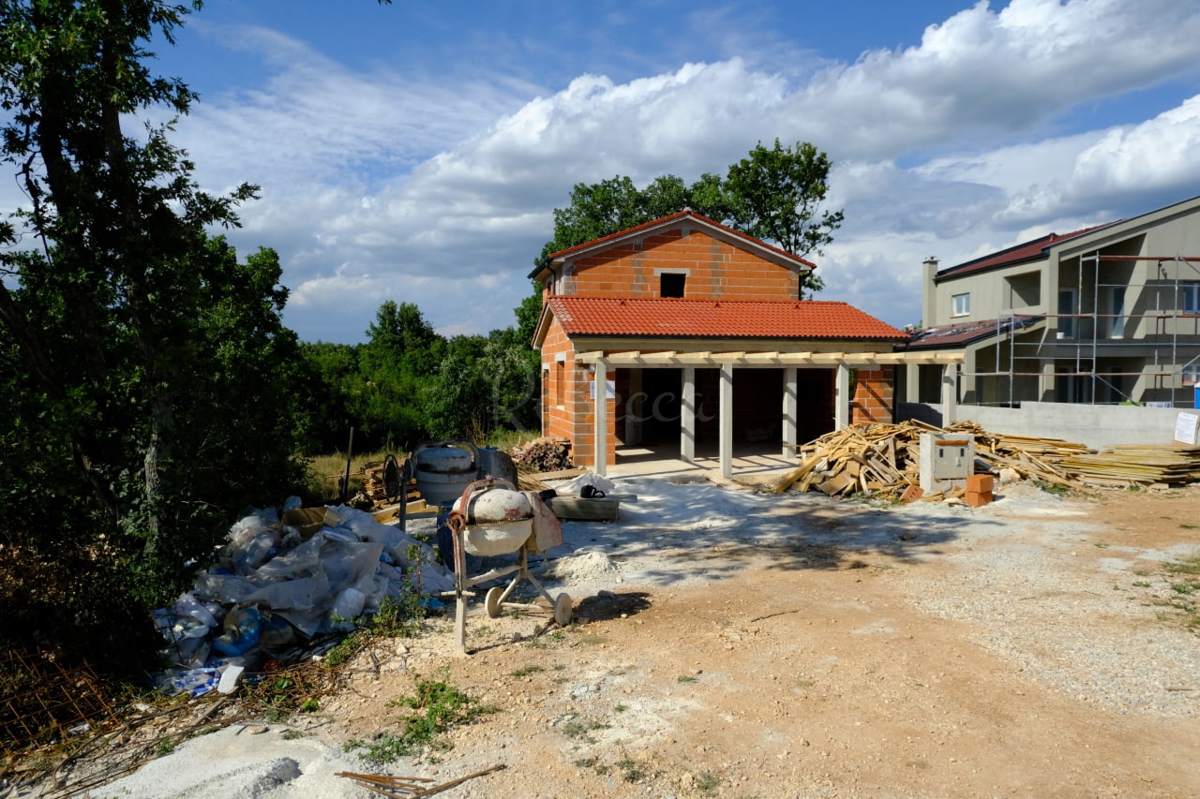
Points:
[(377, 185)]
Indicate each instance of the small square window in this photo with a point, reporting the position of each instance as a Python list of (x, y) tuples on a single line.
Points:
[(670, 285), (962, 305)]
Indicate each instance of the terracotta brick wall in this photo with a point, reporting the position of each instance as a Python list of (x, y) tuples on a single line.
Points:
[(556, 416), (873, 400), (567, 408), (716, 270)]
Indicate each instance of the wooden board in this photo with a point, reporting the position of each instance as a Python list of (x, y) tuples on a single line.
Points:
[(606, 509)]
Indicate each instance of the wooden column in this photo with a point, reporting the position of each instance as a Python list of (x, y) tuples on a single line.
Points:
[(600, 424), (791, 409), (841, 397), (726, 449), (687, 416)]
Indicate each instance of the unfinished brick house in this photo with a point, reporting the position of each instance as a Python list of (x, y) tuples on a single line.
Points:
[(683, 333)]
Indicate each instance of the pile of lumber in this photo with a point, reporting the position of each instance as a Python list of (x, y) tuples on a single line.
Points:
[(543, 455), (373, 483), (884, 460), (1158, 467)]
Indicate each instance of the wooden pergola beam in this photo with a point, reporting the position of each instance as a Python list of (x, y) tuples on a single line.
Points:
[(673, 358)]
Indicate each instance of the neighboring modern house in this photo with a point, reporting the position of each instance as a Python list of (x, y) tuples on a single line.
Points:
[(695, 336), (1104, 315)]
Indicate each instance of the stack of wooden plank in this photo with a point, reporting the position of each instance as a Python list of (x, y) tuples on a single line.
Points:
[(884, 459), (373, 486), (1158, 467)]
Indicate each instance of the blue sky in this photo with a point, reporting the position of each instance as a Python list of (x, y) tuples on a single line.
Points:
[(416, 152)]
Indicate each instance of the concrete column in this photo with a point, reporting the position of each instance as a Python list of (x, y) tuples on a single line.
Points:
[(841, 397), (1046, 381), (929, 293), (912, 382), (600, 426), (950, 394), (687, 419), (791, 410), (726, 449)]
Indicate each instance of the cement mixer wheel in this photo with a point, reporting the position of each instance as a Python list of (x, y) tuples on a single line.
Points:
[(492, 602), (562, 610)]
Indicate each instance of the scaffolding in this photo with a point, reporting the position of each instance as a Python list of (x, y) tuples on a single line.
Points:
[(1101, 330)]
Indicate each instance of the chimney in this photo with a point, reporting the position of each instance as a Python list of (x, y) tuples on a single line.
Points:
[(928, 292)]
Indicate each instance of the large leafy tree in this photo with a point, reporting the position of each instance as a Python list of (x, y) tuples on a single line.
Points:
[(149, 364), (398, 363), (598, 209), (775, 194)]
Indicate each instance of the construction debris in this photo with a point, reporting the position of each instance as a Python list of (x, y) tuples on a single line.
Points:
[(387, 785), (382, 481), (543, 455), (1157, 467), (884, 460)]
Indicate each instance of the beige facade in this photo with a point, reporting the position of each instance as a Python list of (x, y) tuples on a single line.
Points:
[(1107, 315)]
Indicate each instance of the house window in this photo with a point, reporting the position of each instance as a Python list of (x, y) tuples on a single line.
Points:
[(1191, 375), (559, 383), (1068, 304), (671, 285), (1115, 297), (1191, 297), (961, 305)]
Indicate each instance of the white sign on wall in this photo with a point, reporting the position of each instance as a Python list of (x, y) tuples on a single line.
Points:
[(610, 389), (1185, 428)]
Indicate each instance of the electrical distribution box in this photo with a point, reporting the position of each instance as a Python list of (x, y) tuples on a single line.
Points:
[(947, 460)]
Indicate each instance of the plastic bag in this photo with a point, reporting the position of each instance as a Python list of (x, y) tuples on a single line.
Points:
[(243, 628)]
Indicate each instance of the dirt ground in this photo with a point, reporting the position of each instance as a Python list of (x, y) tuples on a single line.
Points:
[(821, 670), (739, 645)]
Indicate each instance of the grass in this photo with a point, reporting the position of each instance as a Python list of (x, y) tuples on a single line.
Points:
[(631, 770), (581, 729), (707, 782), (322, 478), (525, 671), (437, 707), (685, 678), (545, 641), (1056, 489), (1183, 579), (397, 617)]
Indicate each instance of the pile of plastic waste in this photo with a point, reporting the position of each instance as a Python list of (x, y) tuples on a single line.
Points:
[(276, 585)]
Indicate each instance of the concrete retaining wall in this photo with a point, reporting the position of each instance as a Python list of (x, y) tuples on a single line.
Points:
[(1097, 426)]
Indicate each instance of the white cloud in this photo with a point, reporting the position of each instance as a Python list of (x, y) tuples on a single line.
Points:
[(983, 75), (374, 182)]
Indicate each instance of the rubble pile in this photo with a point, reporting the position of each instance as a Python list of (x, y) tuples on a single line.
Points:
[(543, 455), (281, 581), (884, 459)]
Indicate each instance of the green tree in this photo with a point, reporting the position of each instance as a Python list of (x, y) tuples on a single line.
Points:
[(399, 366), (331, 388), (773, 194), (777, 195), (147, 359)]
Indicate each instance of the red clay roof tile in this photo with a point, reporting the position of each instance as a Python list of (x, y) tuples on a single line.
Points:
[(806, 319), (1020, 252)]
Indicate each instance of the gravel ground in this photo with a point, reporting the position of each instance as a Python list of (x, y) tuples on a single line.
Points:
[(794, 645)]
